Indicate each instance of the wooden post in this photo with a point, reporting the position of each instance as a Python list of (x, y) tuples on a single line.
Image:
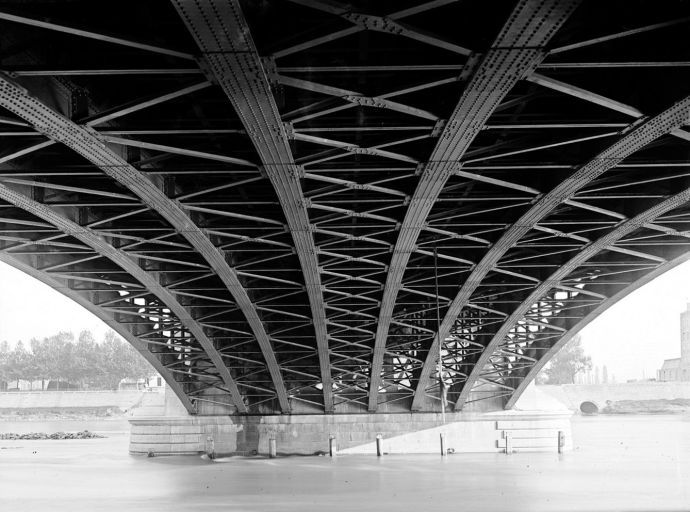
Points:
[(332, 446), (443, 445), (509, 443), (272, 452), (379, 448), (561, 441)]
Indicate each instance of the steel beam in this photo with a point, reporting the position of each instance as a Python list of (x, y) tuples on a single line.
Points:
[(618, 35), (86, 142), (592, 315), (518, 50), (636, 137), (225, 40), (94, 35), (389, 24), (606, 242), (129, 265), (597, 99), (107, 319)]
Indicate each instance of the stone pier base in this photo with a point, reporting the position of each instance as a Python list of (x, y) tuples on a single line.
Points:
[(171, 431), (354, 433), (181, 435)]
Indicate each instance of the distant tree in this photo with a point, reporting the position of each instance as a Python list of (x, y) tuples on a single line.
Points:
[(19, 360), (541, 378), (31, 371), (85, 365), (59, 348), (136, 367), (86, 362), (42, 358), (567, 363), (4, 362), (121, 361)]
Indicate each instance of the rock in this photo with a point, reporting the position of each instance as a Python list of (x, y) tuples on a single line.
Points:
[(35, 436)]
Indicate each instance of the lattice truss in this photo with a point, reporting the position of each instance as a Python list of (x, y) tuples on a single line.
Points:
[(261, 196)]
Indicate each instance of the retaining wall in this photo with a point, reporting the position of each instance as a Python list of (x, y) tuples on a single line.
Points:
[(69, 399), (572, 395)]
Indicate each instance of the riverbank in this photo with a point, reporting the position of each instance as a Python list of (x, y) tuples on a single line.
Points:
[(659, 406), (76, 405), (44, 436), (631, 397), (64, 413)]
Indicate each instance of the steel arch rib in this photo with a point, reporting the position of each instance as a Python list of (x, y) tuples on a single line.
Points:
[(85, 142), (588, 252), (224, 37), (518, 50), (108, 320), (127, 263), (546, 357), (638, 136)]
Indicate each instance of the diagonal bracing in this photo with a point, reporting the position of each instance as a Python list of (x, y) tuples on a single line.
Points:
[(518, 50), (86, 142), (109, 320), (638, 136), (222, 33), (128, 264)]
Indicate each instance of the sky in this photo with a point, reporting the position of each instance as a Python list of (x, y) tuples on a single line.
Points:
[(643, 329), (30, 309), (632, 338)]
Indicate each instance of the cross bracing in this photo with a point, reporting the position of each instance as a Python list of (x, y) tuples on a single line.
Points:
[(259, 196)]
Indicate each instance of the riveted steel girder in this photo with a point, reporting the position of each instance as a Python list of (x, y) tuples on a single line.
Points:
[(127, 263), (589, 251), (517, 51), (222, 34), (86, 142), (312, 181), (638, 136), (574, 331), (109, 320)]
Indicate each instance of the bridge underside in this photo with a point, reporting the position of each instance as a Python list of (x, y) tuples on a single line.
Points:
[(285, 205)]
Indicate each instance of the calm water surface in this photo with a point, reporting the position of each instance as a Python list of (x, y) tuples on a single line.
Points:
[(619, 463)]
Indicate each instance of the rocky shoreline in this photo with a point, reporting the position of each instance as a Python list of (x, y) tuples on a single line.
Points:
[(33, 436)]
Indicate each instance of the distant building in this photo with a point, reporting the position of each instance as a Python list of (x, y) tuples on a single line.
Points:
[(678, 369), (153, 383)]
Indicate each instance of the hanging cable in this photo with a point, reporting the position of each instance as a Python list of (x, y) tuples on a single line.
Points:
[(441, 384)]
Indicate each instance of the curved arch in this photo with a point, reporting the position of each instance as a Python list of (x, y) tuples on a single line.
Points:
[(514, 53), (590, 251), (86, 142), (108, 320), (236, 64), (124, 261), (636, 137), (661, 269)]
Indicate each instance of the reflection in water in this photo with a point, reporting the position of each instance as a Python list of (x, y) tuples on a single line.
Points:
[(630, 463)]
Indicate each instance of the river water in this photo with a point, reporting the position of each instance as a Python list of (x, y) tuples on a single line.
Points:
[(618, 463)]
